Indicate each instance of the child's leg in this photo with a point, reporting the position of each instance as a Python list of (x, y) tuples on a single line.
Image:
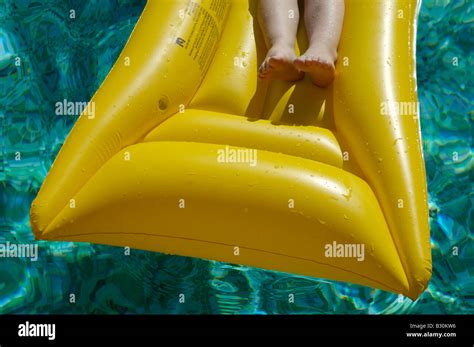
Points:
[(279, 23), (323, 21)]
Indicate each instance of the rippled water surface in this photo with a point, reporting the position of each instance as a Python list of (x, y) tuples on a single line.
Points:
[(68, 59)]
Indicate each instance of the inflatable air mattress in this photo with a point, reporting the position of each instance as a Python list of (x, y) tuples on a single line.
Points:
[(188, 153)]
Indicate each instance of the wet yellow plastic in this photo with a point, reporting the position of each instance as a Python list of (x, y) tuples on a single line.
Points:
[(309, 142), (332, 165)]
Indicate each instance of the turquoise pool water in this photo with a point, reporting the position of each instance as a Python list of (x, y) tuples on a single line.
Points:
[(67, 59)]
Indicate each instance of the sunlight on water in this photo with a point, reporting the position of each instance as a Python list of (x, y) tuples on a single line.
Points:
[(68, 59)]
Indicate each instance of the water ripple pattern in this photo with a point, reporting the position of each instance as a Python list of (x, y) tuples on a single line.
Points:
[(51, 50)]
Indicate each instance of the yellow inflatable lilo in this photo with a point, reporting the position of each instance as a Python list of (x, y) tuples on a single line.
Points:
[(189, 153)]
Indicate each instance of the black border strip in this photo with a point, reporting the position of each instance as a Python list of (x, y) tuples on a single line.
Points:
[(368, 328)]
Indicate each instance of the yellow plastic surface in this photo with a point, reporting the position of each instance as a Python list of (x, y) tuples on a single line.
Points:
[(331, 167)]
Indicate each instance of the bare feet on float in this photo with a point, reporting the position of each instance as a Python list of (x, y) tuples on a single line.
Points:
[(319, 65), (323, 21), (279, 65)]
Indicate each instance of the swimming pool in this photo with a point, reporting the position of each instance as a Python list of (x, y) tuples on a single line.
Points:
[(64, 54)]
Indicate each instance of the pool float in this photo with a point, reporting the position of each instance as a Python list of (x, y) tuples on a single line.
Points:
[(336, 188)]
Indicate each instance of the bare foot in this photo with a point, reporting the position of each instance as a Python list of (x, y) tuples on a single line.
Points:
[(278, 64), (319, 66)]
